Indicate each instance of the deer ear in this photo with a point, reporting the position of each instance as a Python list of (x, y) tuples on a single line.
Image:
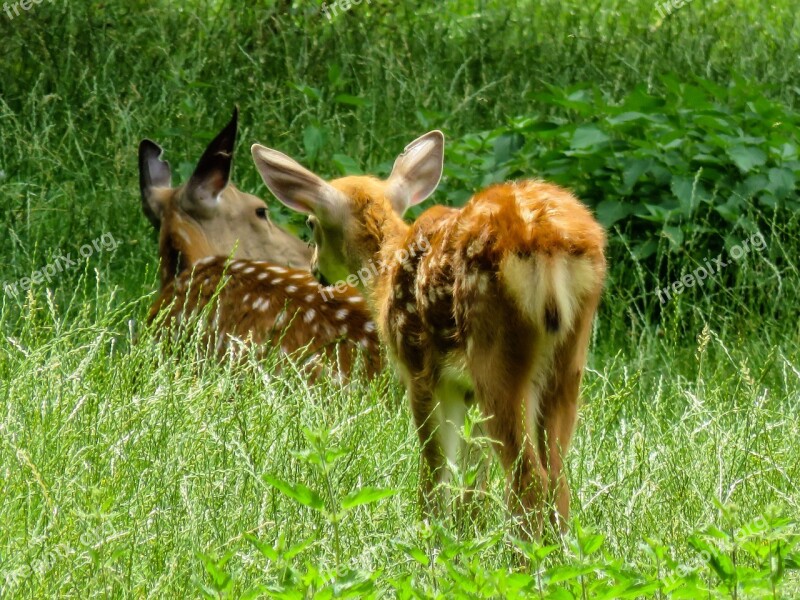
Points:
[(153, 173), (213, 171), (417, 171), (293, 184)]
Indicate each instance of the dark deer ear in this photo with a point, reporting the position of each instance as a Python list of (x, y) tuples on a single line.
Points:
[(213, 171), (153, 173)]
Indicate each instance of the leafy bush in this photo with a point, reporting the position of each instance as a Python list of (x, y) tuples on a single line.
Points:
[(698, 159)]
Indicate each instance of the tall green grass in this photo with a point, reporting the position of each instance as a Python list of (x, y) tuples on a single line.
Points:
[(128, 474)]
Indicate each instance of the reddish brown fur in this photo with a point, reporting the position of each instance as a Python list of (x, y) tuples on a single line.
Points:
[(299, 319), (451, 317), (268, 306), (492, 303)]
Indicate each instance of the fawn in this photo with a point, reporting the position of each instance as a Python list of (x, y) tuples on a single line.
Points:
[(492, 303), (205, 221)]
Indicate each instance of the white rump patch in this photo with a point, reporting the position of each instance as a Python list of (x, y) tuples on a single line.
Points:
[(534, 281)]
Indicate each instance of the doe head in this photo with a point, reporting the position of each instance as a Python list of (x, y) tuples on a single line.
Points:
[(207, 216)]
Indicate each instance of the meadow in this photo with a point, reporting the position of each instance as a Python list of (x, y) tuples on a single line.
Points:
[(128, 473)]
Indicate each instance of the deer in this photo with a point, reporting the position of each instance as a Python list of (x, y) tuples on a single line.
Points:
[(491, 304), (222, 257)]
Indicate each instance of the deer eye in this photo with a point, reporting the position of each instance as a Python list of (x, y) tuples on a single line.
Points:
[(261, 213)]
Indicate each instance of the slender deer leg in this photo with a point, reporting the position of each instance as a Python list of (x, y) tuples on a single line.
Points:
[(451, 410), (555, 434), (426, 421), (502, 386), (559, 412)]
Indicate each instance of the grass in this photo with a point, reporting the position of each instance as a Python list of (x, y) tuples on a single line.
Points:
[(126, 474), (119, 468)]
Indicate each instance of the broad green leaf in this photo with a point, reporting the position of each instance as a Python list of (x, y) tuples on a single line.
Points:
[(591, 543), (307, 90), (781, 182), (506, 146), (346, 165), (674, 235), (298, 548), (265, 549), (568, 572), (716, 559), (747, 157), (297, 492), (610, 211), (632, 172), (366, 495), (350, 100), (588, 136), (629, 116), (417, 554)]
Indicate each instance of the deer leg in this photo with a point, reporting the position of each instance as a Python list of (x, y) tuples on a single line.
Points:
[(503, 398), (556, 427), (426, 420), (559, 411)]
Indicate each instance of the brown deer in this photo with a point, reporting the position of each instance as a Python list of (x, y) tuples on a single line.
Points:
[(218, 247), (491, 303)]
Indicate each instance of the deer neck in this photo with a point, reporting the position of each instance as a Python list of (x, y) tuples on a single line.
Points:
[(181, 245), (384, 241)]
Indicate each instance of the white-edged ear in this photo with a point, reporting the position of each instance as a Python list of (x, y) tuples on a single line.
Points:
[(417, 171), (293, 184), (153, 173)]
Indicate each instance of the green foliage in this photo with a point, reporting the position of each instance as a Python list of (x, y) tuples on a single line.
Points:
[(126, 473), (697, 160), (751, 561)]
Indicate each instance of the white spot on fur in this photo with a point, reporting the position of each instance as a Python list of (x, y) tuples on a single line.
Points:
[(369, 326), (249, 270), (263, 276), (475, 247), (205, 261), (275, 269), (309, 316), (341, 314)]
